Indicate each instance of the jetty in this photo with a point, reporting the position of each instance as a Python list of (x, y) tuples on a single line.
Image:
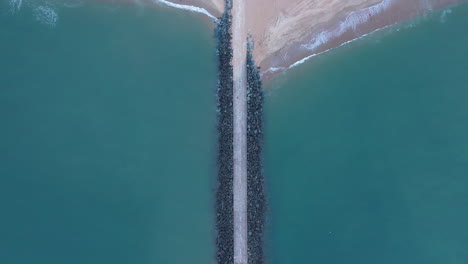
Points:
[(239, 64), (240, 198)]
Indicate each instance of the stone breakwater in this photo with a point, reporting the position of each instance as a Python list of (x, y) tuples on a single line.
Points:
[(256, 206), (256, 201), (224, 193)]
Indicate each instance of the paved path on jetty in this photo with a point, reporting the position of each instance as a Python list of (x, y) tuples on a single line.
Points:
[(239, 45)]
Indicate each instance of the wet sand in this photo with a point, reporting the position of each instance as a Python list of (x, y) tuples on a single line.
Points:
[(342, 28)]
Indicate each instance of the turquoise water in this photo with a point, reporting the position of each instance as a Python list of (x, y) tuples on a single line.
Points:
[(367, 150), (107, 142), (107, 135)]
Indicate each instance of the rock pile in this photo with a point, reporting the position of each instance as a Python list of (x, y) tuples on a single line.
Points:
[(256, 206), (224, 194)]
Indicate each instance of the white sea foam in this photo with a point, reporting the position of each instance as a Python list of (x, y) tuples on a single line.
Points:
[(15, 5), (46, 15), (445, 13), (345, 43), (325, 51), (351, 22), (188, 7), (272, 70)]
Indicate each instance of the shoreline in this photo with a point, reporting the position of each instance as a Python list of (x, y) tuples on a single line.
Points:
[(286, 36), (388, 14)]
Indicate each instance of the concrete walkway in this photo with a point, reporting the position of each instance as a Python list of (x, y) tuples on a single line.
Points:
[(239, 42)]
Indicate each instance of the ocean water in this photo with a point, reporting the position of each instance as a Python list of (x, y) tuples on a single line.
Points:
[(107, 134), (367, 149)]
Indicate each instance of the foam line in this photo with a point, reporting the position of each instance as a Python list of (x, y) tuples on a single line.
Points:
[(353, 20), (297, 63), (273, 70), (189, 8), (325, 51)]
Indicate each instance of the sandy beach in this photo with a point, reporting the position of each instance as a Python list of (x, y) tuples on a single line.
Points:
[(288, 31)]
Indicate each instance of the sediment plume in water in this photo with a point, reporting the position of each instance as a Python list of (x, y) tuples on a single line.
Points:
[(224, 192), (256, 206)]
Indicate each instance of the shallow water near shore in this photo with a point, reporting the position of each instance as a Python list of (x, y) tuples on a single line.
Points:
[(107, 139), (367, 149)]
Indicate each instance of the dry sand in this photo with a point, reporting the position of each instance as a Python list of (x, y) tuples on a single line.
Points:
[(287, 31)]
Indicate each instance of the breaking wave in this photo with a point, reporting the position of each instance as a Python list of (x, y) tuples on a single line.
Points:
[(325, 51), (188, 7), (352, 21)]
